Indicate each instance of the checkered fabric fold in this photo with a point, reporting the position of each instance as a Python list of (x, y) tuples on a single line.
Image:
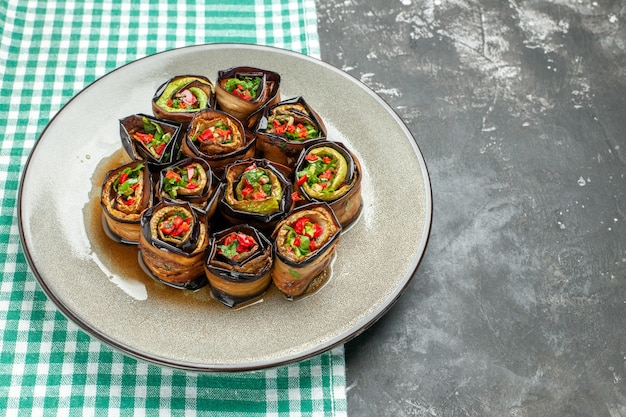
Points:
[(49, 51)]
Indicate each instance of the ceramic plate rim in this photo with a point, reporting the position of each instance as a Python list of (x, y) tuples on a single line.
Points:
[(321, 347)]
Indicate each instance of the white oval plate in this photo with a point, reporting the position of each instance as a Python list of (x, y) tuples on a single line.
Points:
[(95, 284)]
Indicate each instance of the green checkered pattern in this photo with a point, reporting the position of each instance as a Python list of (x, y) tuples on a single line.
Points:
[(49, 51)]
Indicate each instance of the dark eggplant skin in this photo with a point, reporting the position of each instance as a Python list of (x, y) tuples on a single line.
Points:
[(206, 200), (176, 84), (191, 285), (180, 266), (124, 226), (346, 207), (233, 214), (129, 125), (277, 147), (292, 274), (218, 159), (233, 282), (242, 109)]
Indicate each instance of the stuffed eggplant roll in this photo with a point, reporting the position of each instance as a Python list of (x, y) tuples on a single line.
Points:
[(256, 193), (304, 244), (327, 171), (126, 192), (153, 140), (238, 266), (218, 138), (193, 181), (172, 244), (285, 129), (181, 97), (241, 91)]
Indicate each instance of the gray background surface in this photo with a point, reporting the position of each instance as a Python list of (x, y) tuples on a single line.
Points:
[(518, 306)]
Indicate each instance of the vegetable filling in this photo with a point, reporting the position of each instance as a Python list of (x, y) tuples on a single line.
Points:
[(127, 184), (324, 176), (286, 125), (301, 238), (255, 184), (219, 133), (258, 190), (187, 177), (235, 245), (184, 100), (175, 226), (244, 87), (153, 138)]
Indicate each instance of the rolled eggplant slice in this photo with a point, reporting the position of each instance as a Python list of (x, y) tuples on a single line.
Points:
[(241, 91), (154, 140), (328, 172), (256, 192), (304, 244), (125, 194), (218, 138), (191, 180), (284, 129), (181, 97), (172, 244), (238, 265)]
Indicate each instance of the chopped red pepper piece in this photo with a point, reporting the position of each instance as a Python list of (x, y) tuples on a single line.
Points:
[(171, 175), (230, 239), (206, 135), (259, 195), (299, 226), (278, 128), (144, 137), (242, 93), (245, 243), (326, 175), (296, 197), (159, 150), (247, 190)]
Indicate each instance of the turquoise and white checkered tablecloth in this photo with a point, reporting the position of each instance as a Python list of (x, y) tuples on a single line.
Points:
[(49, 51)]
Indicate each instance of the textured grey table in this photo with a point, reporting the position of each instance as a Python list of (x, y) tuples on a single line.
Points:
[(519, 107)]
